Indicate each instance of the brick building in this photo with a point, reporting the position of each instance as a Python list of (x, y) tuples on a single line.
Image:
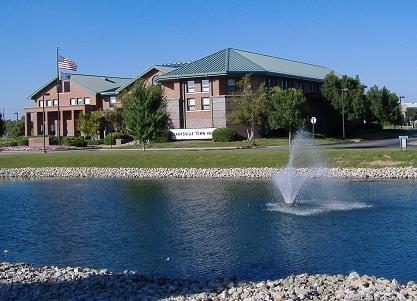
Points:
[(197, 92)]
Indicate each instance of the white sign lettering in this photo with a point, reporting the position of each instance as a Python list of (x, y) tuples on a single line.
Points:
[(192, 134)]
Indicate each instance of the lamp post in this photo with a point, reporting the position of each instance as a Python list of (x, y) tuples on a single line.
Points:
[(401, 113), (43, 120), (17, 121), (343, 112)]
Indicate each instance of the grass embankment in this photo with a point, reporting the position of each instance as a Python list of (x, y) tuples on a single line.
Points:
[(213, 158)]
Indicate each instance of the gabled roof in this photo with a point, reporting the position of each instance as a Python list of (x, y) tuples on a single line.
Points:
[(96, 84), (231, 61), (164, 68)]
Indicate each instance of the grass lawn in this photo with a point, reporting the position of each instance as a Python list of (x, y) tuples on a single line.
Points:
[(206, 158), (240, 144)]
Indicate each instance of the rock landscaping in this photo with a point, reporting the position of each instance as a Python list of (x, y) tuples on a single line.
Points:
[(126, 173), (25, 282)]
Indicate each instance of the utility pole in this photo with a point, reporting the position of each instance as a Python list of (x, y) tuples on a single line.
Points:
[(401, 113), (343, 113)]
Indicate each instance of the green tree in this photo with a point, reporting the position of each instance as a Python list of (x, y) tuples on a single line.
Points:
[(15, 128), (90, 123), (144, 112), (288, 110), (114, 120), (2, 125), (249, 107), (355, 103), (384, 105)]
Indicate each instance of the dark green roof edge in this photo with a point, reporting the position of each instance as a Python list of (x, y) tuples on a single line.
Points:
[(53, 79), (175, 73)]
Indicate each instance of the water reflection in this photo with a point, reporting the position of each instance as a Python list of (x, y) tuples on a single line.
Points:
[(208, 228)]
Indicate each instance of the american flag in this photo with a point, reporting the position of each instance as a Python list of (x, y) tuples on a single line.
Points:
[(66, 63)]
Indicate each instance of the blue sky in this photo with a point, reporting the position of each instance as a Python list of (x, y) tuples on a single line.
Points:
[(374, 39)]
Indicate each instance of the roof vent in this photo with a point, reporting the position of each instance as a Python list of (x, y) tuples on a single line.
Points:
[(109, 80)]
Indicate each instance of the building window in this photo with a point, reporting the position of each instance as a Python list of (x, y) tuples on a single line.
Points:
[(231, 84), (49, 103), (80, 101), (87, 100), (67, 86), (52, 128), (55, 102), (313, 88), (41, 103), (190, 86), (73, 101), (112, 101), (205, 103), (284, 85), (190, 104), (205, 85)]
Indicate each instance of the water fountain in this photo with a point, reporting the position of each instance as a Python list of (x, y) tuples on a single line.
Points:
[(289, 181)]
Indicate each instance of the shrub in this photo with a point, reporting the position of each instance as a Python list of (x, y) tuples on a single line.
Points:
[(95, 142), (74, 141), (7, 143), (110, 138), (53, 140), (164, 137), (22, 141), (224, 135)]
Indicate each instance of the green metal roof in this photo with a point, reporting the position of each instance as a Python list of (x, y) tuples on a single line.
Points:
[(165, 68), (94, 83), (231, 61)]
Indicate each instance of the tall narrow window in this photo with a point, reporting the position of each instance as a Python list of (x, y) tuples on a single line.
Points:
[(313, 87), (112, 101), (205, 103), (49, 103), (73, 101), (87, 100), (41, 103), (67, 86), (284, 85), (190, 86), (190, 104), (55, 102), (231, 84), (205, 85)]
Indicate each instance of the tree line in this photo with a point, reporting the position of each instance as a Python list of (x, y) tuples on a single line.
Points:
[(290, 110)]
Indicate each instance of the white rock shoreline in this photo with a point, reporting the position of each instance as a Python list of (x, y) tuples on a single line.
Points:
[(234, 173), (25, 282)]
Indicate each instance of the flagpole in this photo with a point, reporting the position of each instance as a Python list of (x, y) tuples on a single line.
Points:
[(57, 92)]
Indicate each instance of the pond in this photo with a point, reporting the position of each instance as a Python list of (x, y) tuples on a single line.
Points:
[(183, 228)]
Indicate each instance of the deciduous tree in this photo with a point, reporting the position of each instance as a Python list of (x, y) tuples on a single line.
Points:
[(249, 106), (144, 112), (288, 110)]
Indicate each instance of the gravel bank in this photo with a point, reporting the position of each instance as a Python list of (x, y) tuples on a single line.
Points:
[(25, 282), (94, 172)]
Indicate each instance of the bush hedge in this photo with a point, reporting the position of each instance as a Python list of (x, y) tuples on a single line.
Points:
[(74, 141), (110, 138), (95, 142), (224, 135), (22, 141), (163, 137)]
